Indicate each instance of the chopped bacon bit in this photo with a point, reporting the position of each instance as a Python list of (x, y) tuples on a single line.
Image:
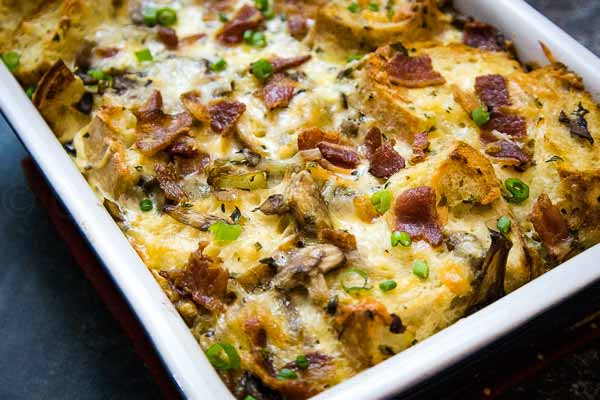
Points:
[(373, 141), (309, 138), (188, 40), (420, 146), (168, 182), (344, 240), (183, 146), (386, 161), (492, 91), (339, 155), (156, 130), (551, 226), (192, 101), (192, 165), (416, 213), (167, 36), (413, 72), (513, 125), (281, 64), (483, 36), (224, 115), (297, 26), (247, 18), (508, 150), (106, 52), (204, 280), (278, 91)]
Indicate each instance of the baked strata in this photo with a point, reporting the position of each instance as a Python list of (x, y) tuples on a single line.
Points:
[(316, 185)]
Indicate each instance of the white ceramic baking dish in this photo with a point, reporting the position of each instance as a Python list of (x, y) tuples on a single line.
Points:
[(180, 353)]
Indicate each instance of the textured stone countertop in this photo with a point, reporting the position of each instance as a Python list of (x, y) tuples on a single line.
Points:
[(60, 342)]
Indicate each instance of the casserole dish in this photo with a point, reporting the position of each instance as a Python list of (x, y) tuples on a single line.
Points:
[(418, 362)]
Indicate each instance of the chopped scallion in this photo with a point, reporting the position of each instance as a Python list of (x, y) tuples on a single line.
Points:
[(302, 362), (382, 201), (144, 55), (219, 65), (421, 269), (353, 7), (480, 116), (504, 224), (12, 60), (166, 16), (146, 205), (222, 231), (286, 373), (354, 280), (262, 69), (386, 286), (518, 191), (402, 238), (216, 353)]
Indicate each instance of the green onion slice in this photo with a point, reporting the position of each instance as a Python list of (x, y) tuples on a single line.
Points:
[(504, 224), (355, 279), (386, 286), (400, 237), (149, 15), (12, 59), (146, 205), (353, 7), (373, 6), (222, 231), (382, 201), (262, 69), (286, 373), (302, 362), (480, 116), (354, 57), (144, 55), (216, 353), (518, 191), (219, 65), (166, 16), (421, 269)]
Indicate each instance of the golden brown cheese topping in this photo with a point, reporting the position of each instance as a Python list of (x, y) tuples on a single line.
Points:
[(316, 185)]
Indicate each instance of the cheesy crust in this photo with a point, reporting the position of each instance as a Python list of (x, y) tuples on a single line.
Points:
[(315, 185)]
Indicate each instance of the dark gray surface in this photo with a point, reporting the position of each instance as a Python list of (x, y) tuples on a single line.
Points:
[(58, 341)]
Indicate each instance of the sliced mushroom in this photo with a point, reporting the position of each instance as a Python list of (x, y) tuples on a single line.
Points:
[(305, 267), (191, 217), (274, 205), (489, 279), (307, 204)]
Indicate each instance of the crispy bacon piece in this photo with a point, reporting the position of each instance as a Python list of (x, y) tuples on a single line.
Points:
[(373, 141), (246, 18), (492, 91), (282, 64), (509, 151), (386, 161), (309, 138), (191, 164), (416, 213), (551, 227), (167, 36), (513, 125), (297, 26), (224, 115), (419, 146), (339, 155), (183, 146), (483, 36), (278, 91), (156, 130), (192, 101), (168, 182), (413, 72), (204, 280)]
